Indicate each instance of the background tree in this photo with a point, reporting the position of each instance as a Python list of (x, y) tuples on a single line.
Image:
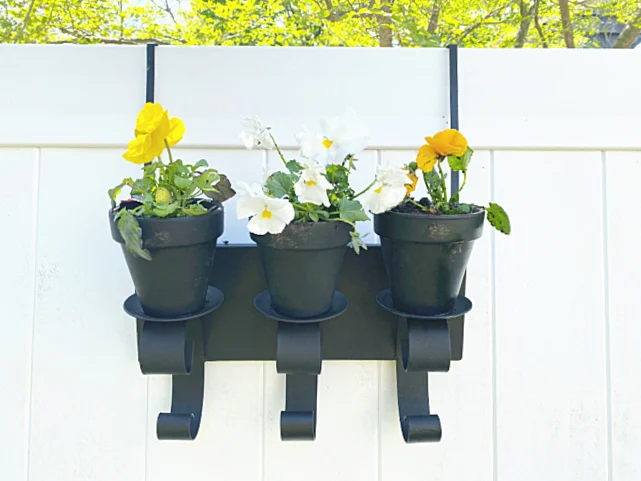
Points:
[(385, 23)]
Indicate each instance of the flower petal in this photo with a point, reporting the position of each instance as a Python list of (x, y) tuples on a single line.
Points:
[(176, 131), (149, 117), (248, 206), (138, 150), (426, 158)]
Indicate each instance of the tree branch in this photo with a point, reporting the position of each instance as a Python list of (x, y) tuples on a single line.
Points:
[(25, 22), (566, 23), (537, 25), (630, 33), (385, 36), (433, 23)]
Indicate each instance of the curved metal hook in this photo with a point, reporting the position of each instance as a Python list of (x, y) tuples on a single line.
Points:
[(298, 354), (421, 345), (425, 345), (176, 348)]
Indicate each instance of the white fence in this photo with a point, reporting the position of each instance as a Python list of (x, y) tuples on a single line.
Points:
[(551, 378)]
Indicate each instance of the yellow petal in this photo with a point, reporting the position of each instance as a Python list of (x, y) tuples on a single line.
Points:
[(426, 158), (159, 135), (138, 150), (150, 118), (411, 185), (176, 131), (448, 142)]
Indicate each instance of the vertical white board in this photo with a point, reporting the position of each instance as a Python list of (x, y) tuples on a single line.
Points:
[(346, 446), (89, 399), (550, 341), (18, 244), (229, 444), (622, 170), (461, 397)]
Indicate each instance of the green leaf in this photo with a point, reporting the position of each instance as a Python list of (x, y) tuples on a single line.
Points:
[(357, 242), (182, 183), (314, 216), (206, 180), (200, 163), (131, 232), (113, 193), (279, 184), (222, 191), (195, 209), (294, 167), (460, 163), (351, 210), (164, 210), (499, 219)]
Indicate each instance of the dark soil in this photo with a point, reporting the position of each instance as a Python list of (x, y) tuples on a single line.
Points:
[(409, 208)]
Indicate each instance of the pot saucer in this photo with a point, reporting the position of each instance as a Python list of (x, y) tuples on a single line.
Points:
[(462, 305), (213, 301), (263, 304)]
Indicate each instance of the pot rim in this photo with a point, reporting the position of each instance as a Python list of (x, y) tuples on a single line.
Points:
[(481, 211)]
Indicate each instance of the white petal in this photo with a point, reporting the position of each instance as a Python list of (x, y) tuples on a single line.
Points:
[(311, 145), (275, 225), (283, 210), (248, 139), (249, 206), (258, 225)]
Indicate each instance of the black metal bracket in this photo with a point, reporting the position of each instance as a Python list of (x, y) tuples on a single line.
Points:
[(176, 348), (299, 356), (150, 76), (421, 345)]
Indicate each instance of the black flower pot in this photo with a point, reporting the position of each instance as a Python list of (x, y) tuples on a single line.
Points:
[(426, 257), (302, 265), (174, 283)]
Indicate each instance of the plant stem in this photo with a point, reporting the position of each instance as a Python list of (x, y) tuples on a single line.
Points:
[(364, 190), (462, 184), (282, 157), (443, 184), (171, 159), (420, 206)]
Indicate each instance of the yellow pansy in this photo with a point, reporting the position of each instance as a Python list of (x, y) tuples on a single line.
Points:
[(411, 185), (176, 131), (426, 158), (138, 150), (448, 142), (153, 129)]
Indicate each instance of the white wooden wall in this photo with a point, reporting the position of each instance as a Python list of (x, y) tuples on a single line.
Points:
[(551, 379)]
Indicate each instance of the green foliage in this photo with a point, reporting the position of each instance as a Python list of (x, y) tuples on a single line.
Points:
[(351, 210), (435, 181), (131, 233), (280, 184), (367, 23), (499, 219), (458, 164), (166, 191)]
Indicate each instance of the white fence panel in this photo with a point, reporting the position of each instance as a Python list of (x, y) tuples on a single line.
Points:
[(549, 383), (624, 278), (17, 289), (550, 318)]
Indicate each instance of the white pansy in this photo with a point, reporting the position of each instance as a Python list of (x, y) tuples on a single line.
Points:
[(312, 186), (256, 135), (338, 138), (388, 191), (268, 215)]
